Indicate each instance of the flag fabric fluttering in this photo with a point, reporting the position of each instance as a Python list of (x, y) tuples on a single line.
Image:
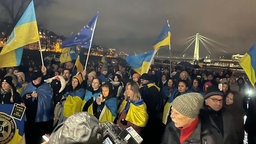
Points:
[(25, 32), (78, 64), (82, 38), (80, 60), (68, 54), (164, 39), (141, 62), (248, 63)]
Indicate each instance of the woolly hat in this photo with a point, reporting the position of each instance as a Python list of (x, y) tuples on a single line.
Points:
[(145, 76), (8, 79), (36, 74), (92, 74), (79, 78), (14, 78), (211, 91), (104, 68), (136, 75), (189, 104)]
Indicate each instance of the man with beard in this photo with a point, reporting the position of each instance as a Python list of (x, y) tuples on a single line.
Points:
[(67, 76)]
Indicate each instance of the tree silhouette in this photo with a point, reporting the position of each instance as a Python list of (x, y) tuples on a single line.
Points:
[(15, 8)]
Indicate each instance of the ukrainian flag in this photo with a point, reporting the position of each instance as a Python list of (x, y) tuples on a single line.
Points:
[(12, 129), (65, 55), (248, 63), (25, 32), (78, 64), (141, 62), (164, 39)]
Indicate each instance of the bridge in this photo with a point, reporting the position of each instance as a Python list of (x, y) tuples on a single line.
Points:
[(209, 45)]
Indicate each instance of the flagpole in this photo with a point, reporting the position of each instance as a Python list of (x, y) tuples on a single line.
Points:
[(170, 50), (41, 54), (155, 51), (88, 53)]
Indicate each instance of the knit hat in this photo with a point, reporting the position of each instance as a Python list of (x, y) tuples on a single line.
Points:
[(79, 78), (213, 90), (92, 74), (36, 75), (188, 104), (145, 76), (14, 78), (136, 75), (104, 68), (8, 79)]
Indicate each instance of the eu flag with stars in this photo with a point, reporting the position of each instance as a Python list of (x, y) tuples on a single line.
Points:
[(82, 38)]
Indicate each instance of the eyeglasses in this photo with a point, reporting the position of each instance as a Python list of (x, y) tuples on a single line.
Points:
[(216, 100)]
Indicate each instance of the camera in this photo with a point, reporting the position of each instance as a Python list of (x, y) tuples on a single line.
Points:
[(113, 134)]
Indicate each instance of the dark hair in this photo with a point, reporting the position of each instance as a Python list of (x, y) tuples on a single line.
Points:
[(67, 70), (118, 76), (184, 81), (110, 87)]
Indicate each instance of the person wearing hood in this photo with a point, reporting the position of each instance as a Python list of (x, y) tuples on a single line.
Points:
[(37, 97), (105, 106), (93, 91), (8, 93)]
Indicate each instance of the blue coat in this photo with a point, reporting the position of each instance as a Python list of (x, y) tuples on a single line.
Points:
[(45, 105)]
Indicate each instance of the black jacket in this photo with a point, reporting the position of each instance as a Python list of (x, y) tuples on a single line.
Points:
[(203, 134)]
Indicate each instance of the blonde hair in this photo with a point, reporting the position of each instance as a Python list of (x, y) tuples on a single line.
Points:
[(135, 88)]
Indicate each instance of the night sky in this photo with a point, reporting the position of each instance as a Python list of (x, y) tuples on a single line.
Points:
[(133, 25)]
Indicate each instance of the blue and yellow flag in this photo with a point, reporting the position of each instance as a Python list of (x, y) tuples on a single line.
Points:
[(25, 32), (80, 61), (248, 63), (68, 54), (11, 129), (65, 55), (82, 38), (78, 64), (164, 39), (141, 62)]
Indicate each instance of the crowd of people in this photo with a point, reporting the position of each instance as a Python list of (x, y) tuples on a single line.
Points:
[(163, 106)]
